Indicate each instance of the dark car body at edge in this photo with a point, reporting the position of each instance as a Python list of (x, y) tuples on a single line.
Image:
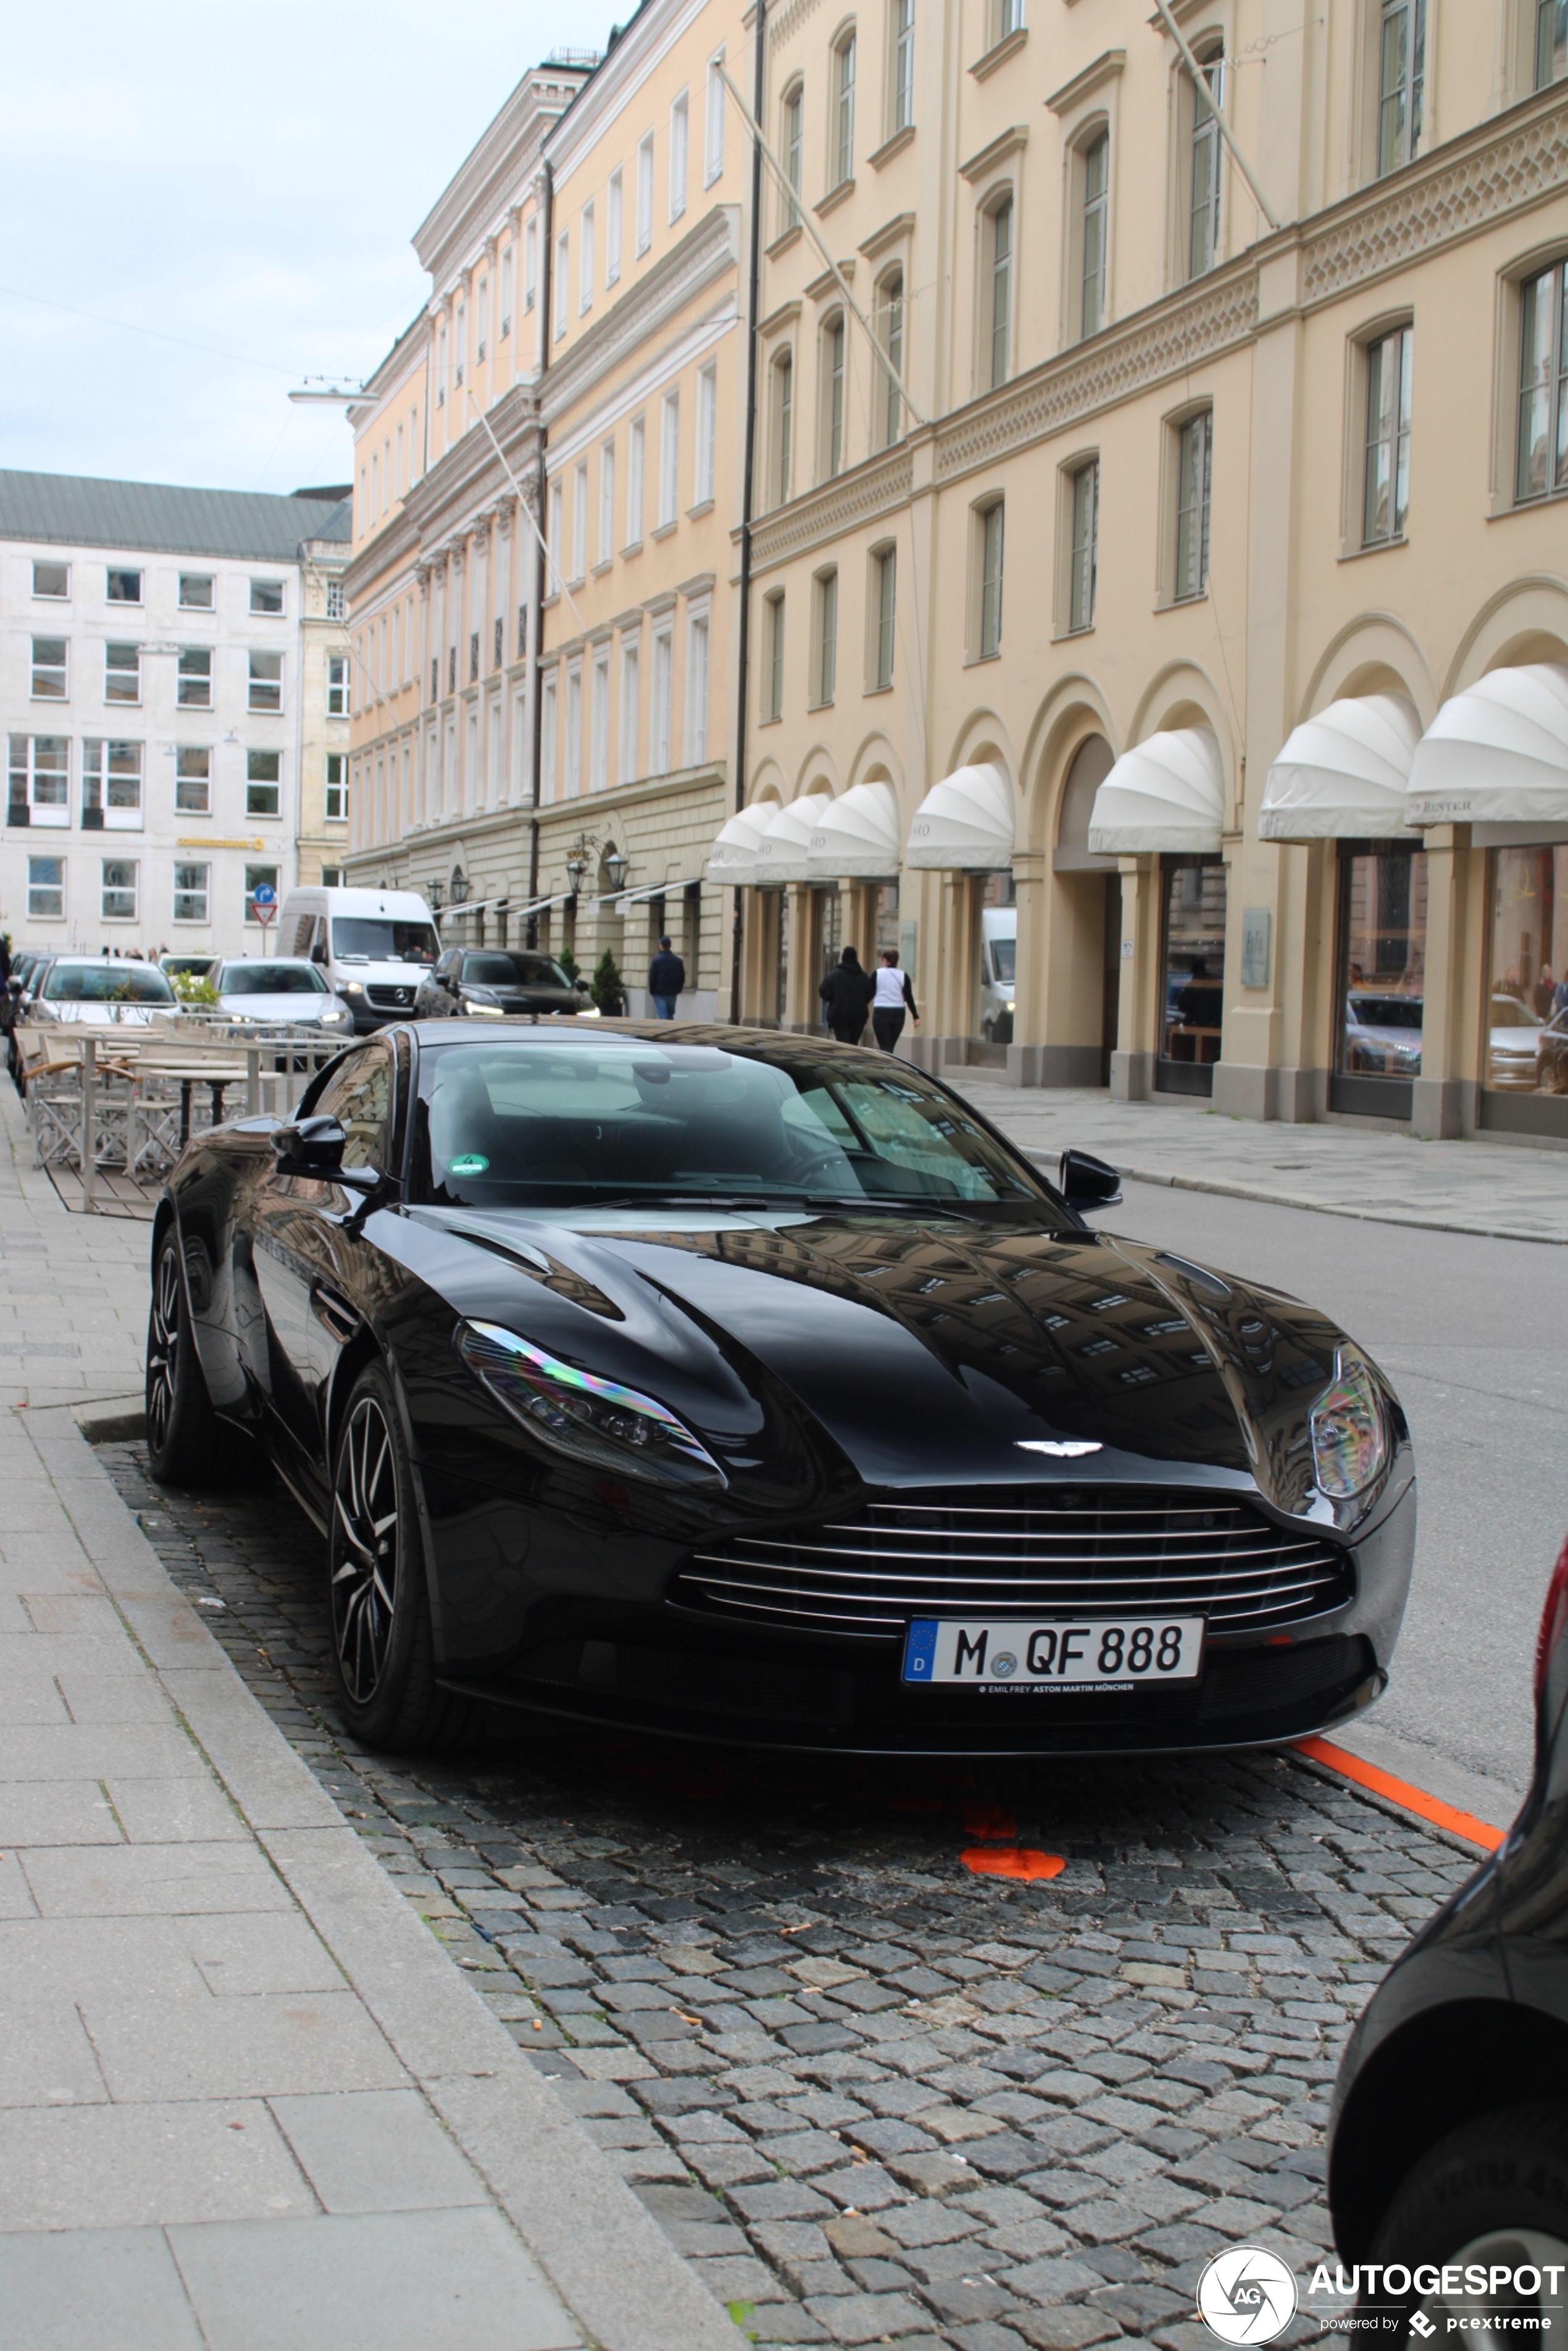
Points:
[(866, 1383)]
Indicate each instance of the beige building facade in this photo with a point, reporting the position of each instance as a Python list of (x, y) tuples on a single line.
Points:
[(1195, 616), (542, 686)]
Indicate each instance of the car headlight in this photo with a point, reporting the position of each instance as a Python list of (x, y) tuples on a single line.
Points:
[(353, 987), (474, 1009), (1350, 1431), (587, 1011), (578, 1414), (334, 1012)]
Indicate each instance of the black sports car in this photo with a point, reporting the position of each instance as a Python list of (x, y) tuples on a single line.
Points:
[(1448, 2156), (744, 1386), (487, 982)]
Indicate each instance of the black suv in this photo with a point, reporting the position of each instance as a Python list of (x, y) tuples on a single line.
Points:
[(1449, 2142), (484, 983)]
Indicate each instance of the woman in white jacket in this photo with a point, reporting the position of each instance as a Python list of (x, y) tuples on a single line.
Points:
[(893, 997)]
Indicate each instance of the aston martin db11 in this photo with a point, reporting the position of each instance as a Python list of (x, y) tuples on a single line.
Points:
[(749, 1386)]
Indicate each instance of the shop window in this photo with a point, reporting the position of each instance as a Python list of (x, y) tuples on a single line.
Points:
[(1525, 1060), (1192, 969), (1381, 969)]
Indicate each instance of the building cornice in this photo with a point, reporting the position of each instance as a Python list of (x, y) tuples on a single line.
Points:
[(876, 488), (496, 169), (653, 32)]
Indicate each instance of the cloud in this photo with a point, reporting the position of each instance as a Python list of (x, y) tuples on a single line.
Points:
[(239, 176)]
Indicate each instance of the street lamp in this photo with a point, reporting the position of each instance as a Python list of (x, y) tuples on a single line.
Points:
[(576, 867), (615, 865)]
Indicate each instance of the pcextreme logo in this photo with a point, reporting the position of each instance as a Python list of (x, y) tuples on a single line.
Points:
[(1247, 2295)]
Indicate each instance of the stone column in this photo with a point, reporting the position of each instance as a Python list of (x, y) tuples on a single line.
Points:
[(1445, 1096), (802, 1005), (1137, 1018)]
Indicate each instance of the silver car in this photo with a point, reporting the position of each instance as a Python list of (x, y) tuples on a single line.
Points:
[(277, 990), (98, 992)]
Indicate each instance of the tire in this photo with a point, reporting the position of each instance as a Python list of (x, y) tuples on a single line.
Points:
[(187, 1444), (1493, 2192), (383, 1647)]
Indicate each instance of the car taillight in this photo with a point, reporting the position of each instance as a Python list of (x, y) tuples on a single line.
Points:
[(1554, 1617)]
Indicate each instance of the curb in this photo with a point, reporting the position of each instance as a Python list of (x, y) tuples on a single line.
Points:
[(606, 2256), (1273, 1199)]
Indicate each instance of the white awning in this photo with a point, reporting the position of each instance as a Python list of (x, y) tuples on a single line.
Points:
[(1167, 794), (733, 857), (965, 824), (1497, 752), (1343, 775), (781, 851), (856, 839)]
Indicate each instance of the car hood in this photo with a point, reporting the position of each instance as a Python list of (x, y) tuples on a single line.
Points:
[(530, 999), (98, 1016), (278, 1008), (962, 1351)]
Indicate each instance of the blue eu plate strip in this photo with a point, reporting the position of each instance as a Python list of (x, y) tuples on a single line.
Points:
[(920, 1650)]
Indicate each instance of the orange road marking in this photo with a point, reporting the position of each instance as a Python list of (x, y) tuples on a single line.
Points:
[(1012, 1861), (1401, 1793)]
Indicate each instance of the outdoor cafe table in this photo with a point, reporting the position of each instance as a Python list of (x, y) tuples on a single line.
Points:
[(193, 1070)]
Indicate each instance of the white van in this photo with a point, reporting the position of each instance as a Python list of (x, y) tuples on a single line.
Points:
[(373, 946), (999, 968)]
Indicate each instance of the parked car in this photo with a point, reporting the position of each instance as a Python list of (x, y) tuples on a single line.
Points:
[(372, 946), (1552, 1056), (1383, 1033), (279, 989), (1513, 1044), (97, 992), (752, 1387), (486, 983), (1449, 2138)]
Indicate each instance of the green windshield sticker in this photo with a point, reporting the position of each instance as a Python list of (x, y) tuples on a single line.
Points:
[(472, 1163)]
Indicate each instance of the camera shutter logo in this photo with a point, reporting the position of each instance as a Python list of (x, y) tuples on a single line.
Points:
[(1247, 2295)]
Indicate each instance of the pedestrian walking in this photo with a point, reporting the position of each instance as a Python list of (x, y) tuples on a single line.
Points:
[(666, 978), (846, 995), (893, 997)]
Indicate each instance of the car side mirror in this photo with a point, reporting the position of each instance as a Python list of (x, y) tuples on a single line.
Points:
[(1086, 1182), (313, 1146), (318, 952)]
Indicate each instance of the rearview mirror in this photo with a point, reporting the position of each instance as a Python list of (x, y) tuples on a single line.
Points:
[(314, 1146), (1086, 1182), (319, 952)]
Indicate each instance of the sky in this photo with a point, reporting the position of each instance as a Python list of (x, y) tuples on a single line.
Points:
[(204, 202)]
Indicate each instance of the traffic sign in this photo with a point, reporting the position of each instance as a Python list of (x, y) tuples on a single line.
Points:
[(265, 895)]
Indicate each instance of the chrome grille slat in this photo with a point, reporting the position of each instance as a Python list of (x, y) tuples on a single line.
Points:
[(1084, 1549)]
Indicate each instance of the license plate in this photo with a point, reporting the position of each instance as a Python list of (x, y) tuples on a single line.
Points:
[(1100, 1653)]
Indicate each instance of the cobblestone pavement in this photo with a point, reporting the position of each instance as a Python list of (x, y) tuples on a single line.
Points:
[(874, 2095)]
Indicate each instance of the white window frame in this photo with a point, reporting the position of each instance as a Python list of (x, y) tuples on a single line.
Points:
[(39, 890), (481, 331), (555, 532), (191, 892), (549, 722), (793, 142), (585, 261), (113, 571), (636, 479), (259, 682), (40, 786), (562, 270), (115, 674), (782, 373), (825, 637), (337, 685), (844, 110), (699, 648), (990, 578), (773, 663), (188, 801), (572, 777), (1385, 453), (51, 595), (506, 325), (901, 97), (884, 616), (120, 889), (713, 121), (669, 458), (113, 783), (599, 720), (194, 684), (194, 603), (49, 669), (644, 193), (1194, 461), (707, 431), (1083, 545), (614, 209), (337, 788), (579, 519), (530, 265), (661, 699), (607, 502), (630, 712), (680, 161), (256, 782)]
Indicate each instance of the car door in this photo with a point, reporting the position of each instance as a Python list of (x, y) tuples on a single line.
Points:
[(305, 1244)]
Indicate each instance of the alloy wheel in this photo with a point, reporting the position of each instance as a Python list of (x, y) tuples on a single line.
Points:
[(163, 1350), (366, 1553), (1491, 2320)]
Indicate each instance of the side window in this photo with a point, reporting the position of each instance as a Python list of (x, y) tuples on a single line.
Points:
[(360, 1097), (302, 934)]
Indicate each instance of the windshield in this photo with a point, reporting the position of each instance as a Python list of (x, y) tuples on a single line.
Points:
[(270, 979), (375, 939), (106, 983), (542, 1125), (495, 969), (1508, 1012), (1386, 1011), (1004, 959)]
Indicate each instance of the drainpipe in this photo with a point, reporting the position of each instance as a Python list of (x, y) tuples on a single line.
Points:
[(547, 254), (743, 647)]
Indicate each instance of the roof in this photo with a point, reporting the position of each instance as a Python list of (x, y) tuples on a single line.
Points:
[(75, 510)]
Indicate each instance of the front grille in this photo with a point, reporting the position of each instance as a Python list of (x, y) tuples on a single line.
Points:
[(391, 999), (1009, 1549)]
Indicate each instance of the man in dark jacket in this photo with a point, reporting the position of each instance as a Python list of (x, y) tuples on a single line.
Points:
[(666, 978), (846, 995)]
